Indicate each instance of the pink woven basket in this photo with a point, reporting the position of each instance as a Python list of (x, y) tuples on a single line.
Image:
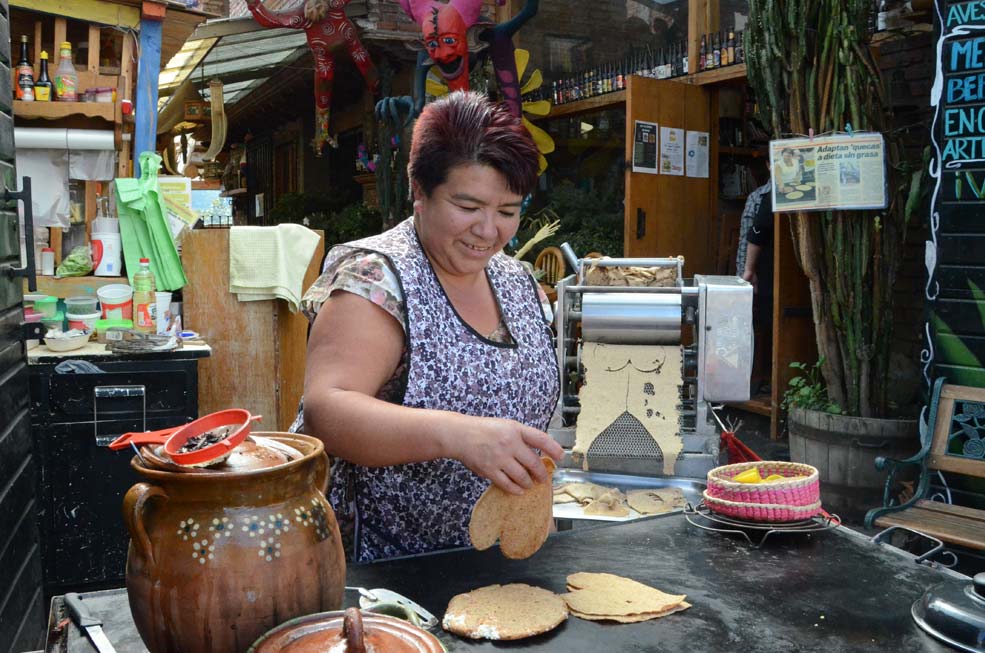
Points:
[(804, 490), (761, 512)]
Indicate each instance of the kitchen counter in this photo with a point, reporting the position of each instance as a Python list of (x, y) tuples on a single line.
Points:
[(831, 591), (41, 355)]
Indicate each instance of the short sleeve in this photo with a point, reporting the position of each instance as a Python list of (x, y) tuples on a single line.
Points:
[(366, 274)]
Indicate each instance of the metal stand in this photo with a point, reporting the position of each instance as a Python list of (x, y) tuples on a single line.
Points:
[(701, 517)]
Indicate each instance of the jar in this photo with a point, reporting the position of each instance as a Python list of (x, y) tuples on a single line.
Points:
[(218, 558), (80, 305), (47, 306), (47, 261)]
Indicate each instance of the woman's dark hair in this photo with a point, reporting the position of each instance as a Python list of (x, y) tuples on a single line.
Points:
[(785, 150), (463, 128)]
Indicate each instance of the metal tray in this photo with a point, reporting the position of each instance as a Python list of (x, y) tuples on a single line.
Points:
[(691, 487)]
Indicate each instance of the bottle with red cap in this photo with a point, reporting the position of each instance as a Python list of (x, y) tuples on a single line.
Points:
[(143, 298)]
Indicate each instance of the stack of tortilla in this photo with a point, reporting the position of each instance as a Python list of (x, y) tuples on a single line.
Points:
[(596, 499), (607, 597)]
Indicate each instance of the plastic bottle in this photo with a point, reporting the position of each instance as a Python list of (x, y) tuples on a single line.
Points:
[(143, 298), (66, 78)]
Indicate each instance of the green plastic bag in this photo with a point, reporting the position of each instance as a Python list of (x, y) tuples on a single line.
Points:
[(143, 226), (76, 264)]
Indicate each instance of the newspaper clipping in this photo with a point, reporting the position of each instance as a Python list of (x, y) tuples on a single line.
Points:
[(829, 173)]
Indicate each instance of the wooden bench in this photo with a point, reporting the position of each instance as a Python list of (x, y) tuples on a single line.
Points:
[(952, 440)]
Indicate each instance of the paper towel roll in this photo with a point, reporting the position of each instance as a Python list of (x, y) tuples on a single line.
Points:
[(63, 139)]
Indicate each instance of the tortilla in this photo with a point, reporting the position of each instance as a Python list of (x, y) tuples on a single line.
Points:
[(608, 595), (804, 187), (611, 504), (633, 618), (510, 611), (655, 502), (563, 497), (520, 523), (796, 195), (583, 493)]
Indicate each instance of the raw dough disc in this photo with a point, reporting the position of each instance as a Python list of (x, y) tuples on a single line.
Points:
[(796, 195), (804, 187), (510, 611)]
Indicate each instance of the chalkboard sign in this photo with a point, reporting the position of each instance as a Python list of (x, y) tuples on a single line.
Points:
[(955, 255)]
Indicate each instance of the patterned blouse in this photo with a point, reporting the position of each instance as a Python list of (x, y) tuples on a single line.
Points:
[(369, 275)]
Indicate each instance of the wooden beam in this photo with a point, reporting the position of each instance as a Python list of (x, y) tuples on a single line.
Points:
[(92, 65), (226, 27), (93, 11), (148, 69)]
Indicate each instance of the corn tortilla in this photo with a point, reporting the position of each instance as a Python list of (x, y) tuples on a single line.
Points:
[(504, 612), (520, 523)]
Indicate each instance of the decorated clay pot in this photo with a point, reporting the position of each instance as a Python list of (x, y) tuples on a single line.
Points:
[(219, 558), (351, 631)]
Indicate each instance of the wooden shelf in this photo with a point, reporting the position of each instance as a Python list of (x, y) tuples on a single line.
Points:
[(58, 110), (596, 103), (760, 405), (742, 151), (732, 73), (71, 286)]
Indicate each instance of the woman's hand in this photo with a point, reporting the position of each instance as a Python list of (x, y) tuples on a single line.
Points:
[(502, 451)]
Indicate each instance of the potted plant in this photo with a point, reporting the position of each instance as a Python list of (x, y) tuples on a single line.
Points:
[(811, 68)]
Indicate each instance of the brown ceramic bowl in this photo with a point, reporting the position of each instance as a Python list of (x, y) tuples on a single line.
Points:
[(361, 631)]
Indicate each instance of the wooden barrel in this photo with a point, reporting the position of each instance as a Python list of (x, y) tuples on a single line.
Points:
[(844, 451)]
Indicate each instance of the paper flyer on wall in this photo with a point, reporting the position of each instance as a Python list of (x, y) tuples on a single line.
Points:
[(671, 151), (645, 147), (829, 173), (697, 154)]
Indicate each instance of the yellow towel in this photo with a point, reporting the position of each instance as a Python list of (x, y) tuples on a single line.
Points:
[(270, 262)]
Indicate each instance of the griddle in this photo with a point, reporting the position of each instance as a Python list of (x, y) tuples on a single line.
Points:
[(833, 591)]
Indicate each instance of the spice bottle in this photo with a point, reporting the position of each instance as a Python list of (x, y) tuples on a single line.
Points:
[(143, 298), (66, 78), (25, 74), (42, 85)]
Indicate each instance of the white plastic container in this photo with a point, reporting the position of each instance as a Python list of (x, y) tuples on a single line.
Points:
[(116, 300), (107, 250), (86, 322)]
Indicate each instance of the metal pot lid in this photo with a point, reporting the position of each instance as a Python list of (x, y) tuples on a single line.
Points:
[(954, 613), (351, 631)]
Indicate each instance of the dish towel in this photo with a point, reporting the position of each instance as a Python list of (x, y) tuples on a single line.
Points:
[(270, 262)]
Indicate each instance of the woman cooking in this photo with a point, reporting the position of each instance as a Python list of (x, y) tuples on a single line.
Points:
[(431, 370)]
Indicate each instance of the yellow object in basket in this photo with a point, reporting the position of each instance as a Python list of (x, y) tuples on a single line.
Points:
[(774, 477), (749, 476)]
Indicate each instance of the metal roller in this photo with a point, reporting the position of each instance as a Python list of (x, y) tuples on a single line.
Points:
[(631, 319)]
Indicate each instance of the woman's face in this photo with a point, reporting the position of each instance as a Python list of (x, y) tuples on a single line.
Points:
[(787, 157), (467, 219)]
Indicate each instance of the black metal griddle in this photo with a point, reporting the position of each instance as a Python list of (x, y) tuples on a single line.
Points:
[(830, 591)]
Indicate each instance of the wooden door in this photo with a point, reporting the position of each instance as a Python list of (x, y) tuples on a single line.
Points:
[(22, 613), (668, 215)]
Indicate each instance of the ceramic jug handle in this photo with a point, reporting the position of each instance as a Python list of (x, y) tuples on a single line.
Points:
[(352, 628), (133, 514), (321, 473)]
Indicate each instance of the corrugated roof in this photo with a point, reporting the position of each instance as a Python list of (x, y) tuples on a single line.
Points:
[(237, 51)]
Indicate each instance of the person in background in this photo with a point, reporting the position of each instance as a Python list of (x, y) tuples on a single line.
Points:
[(757, 269), (431, 370)]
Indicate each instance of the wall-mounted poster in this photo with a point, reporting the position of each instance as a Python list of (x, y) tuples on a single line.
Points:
[(645, 147), (829, 173), (671, 151), (697, 154)]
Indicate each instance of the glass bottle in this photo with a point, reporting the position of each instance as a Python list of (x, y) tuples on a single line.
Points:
[(731, 47), (43, 85), (703, 53), (66, 78), (740, 54), (716, 51), (25, 74)]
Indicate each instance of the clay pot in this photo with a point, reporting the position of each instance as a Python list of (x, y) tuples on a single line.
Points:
[(350, 631), (217, 559)]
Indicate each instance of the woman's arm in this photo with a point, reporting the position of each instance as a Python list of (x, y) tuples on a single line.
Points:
[(354, 348)]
